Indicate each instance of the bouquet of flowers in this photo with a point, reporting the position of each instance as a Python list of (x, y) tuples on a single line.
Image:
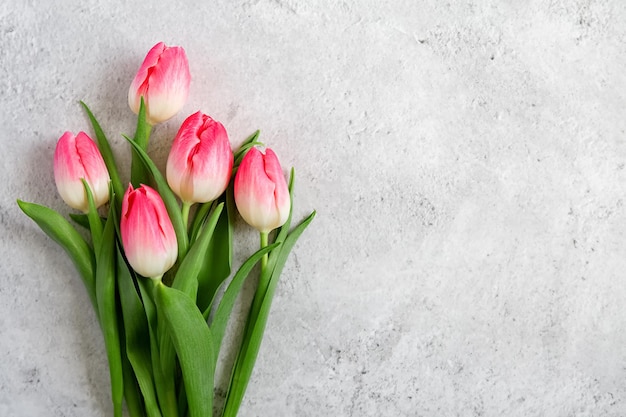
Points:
[(157, 264)]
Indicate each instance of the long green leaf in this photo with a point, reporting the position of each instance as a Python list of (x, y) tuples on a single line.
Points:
[(95, 223), (252, 339), (186, 279), (245, 146), (62, 232), (107, 154), (106, 296), (222, 314), (193, 342), (216, 265), (238, 155), (168, 198), (132, 392), (139, 173), (164, 386), (167, 357), (137, 336), (199, 218)]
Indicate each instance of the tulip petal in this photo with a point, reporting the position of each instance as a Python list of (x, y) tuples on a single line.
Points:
[(261, 191), (75, 158), (163, 80), (147, 232), (200, 161)]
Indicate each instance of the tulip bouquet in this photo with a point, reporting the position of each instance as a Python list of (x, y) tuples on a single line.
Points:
[(157, 261)]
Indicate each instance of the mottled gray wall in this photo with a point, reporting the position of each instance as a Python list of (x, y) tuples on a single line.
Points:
[(466, 160)]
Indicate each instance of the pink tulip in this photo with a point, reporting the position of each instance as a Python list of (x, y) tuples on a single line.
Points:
[(163, 81), (147, 232), (261, 192), (77, 157), (200, 161)]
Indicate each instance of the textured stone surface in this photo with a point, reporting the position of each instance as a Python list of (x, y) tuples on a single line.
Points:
[(466, 160)]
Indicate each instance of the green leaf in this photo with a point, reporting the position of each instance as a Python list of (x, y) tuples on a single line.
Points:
[(256, 326), (132, 393), (167, 358), (282, 254), (186, 281), (106, 296), (216, 266), (139, 172), (164, 386), (62, 232), (249, 140), (171, 204), (107, 154), (243, 150), (238, 155), (187, 276), (201, 213), (137, 336), (193, 342), (80, 219), (95, 224), (223, 312)]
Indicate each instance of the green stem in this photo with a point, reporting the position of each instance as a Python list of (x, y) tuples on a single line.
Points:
[(264, 243), (264, 279), (185, 213)]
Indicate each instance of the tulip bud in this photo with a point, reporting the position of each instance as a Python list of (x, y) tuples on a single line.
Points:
[(75, 158), (200, 161), (261, 192), (147, 233), (163, 82)]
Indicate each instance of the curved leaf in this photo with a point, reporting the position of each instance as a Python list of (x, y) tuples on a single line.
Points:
[(193, 342), (186, 279), (106, 296), (137, 336), (216, 266), (256, 326), (138, 171), (164, 386), (95, 224), (222, 314), (63, 233), (107, 154)]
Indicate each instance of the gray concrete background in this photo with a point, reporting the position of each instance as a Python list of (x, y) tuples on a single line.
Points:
[(466, 160)]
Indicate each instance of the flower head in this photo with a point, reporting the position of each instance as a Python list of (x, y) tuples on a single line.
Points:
[(200, 161), (163, 81), (147, 233), (75, 158), (261, 192)]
